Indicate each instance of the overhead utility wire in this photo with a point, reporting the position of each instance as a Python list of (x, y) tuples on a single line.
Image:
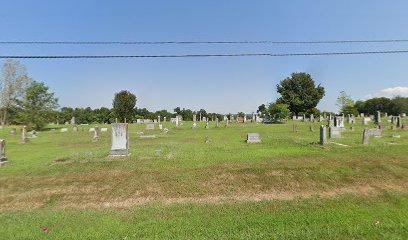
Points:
[(207, 55), (197, 42)]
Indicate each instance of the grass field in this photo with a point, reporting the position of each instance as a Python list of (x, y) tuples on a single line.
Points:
[(178, 186)]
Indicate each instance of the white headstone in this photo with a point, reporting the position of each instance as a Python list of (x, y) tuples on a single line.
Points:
[(64, 130), (253, 138), (120, 140)]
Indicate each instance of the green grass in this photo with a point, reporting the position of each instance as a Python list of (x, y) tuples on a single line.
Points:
[(288, 186)]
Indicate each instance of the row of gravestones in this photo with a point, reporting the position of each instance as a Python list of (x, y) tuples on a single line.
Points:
[(335, 132), (120, 141)]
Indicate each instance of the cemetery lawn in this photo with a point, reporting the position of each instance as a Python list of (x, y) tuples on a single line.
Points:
[(178, 186)]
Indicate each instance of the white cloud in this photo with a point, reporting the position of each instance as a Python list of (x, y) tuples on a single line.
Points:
[(392, 92)]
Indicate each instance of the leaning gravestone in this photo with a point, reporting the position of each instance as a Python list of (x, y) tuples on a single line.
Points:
[(150, 127), (323, 135), (335, 132), (3, 159), (120, 140), (253, 138)]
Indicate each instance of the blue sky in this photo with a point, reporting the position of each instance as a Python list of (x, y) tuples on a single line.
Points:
[(215, 84)]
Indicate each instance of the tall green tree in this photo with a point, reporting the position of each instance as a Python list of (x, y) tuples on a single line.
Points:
[(345, 103), (124, 105), (13, 84), (37, 106), (299, 92)]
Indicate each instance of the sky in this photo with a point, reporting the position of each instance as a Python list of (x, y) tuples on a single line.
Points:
[(223, 85)]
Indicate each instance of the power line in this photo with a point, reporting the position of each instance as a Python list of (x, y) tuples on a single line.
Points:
[(207, 55), (195, 42)]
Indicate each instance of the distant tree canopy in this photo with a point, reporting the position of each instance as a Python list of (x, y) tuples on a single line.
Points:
[(394, 106), (124, 105), (300, 93)]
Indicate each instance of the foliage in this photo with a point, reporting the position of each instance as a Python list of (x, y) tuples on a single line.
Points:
[(13, 84), (394, 106), (262, 109), (345, 103), (279, 111), (123, 105), (299, 92), (36, 106)]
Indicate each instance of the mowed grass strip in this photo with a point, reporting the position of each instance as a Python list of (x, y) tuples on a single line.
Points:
[(384, 216)]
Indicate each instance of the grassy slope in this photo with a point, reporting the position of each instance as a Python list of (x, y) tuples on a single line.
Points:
[(67, 171)]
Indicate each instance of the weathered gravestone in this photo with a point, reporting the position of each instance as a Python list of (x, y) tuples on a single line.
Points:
[(120, 140), (64, 130), (339, 121), (96, 135), (217, 123), (75, 128), (323, 135), (150, 127), (378, 117), (92, 130), (23, 134), (367, 133), (104, 129), (3, 159), (335, 132), (253, 138)]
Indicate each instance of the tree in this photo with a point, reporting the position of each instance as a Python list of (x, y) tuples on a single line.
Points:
[(345, 103), (13, 84), (262, 109), (279, 111), (37, 106), (124, 105), (299, 92)]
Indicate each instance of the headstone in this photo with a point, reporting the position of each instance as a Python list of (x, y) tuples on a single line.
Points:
[(120, 140), (161, 126), (323, 135), (378, 117), (158, 119), (91, 130), (73, 121), (365, 121), (335, 132), (177, 121), (3, 159), (75, 128), (311, 118), (245, 119), (399, 124), (34, 134), (147, 136), (339, 121), (23, 134), (294, 128), (362, 115), (304, 118), (164, 119), (13, 131), (104, 129), (217, 122), (96, 134), (150, 126), (403, 114), (253, 138), (330, 122), (207, 126), (367, 133)]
